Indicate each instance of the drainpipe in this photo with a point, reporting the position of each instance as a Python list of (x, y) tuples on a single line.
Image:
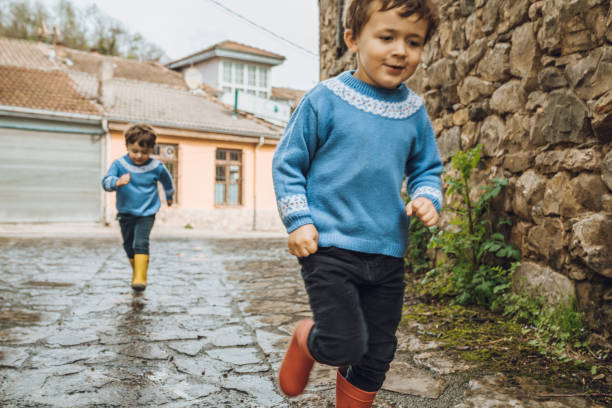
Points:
[(235, 104), (261, 142), (107, 220)]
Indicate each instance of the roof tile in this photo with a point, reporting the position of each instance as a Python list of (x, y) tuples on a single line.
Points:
[(45, 90)]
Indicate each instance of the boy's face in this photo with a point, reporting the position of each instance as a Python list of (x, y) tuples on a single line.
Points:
[(138, 154), (389, 47)]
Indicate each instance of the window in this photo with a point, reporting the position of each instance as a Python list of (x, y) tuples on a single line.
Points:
[(227, 71), (168, 154), (252, 69), (228, 177), (239, 73), (262, 94), (263, 77)]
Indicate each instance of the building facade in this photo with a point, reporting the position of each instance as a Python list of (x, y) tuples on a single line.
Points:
[(220, 159)]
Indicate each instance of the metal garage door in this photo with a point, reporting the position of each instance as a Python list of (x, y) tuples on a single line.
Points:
[(49, 176)]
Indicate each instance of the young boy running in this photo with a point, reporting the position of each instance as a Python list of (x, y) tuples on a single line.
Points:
[(338, 172), (134, 177)]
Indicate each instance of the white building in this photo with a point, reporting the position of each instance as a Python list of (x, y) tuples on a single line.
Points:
[(241, 73)]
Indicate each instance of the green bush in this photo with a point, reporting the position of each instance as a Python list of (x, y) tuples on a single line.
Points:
[(474, 264), (477, 262)]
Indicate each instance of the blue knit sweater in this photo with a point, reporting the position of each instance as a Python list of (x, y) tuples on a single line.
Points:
[(140, 196), (342, 159)]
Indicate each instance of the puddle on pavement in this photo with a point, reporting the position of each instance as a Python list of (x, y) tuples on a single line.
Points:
[(11, 318), (45, 284)]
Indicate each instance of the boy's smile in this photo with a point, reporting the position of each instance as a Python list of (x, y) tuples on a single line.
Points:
[(389, 47), (138, 154)]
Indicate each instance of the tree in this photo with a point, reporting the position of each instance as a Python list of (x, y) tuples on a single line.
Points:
[(73, 34), (78, 29)]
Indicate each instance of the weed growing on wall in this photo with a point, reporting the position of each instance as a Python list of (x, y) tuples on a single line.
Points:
[(474, 264)]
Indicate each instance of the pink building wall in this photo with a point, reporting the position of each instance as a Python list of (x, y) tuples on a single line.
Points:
[(196, 179)]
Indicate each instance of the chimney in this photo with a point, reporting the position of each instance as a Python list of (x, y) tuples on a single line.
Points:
[(105, 76)]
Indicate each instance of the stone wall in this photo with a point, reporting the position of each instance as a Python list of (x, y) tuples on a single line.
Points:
[(532, 82)]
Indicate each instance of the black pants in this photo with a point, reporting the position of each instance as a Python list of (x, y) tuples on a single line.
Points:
[(356, 301), (135, 231)]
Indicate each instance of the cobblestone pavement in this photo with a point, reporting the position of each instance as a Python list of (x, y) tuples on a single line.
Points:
[(209, 331)]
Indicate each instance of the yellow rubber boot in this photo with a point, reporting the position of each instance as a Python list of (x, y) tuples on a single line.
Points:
[(139, 277), (132, 263)]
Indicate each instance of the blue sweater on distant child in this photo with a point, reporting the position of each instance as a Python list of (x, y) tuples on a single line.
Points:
[(140, 196), (342, 159)]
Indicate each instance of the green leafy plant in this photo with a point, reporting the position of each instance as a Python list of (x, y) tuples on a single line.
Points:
[(477, 262), (416, 253), (474, 265)]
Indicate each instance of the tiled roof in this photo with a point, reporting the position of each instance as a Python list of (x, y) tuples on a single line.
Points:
[(233, 46), (22, 53), (140, 91), (168, 106), (288, 94), (45, 90), (28, 54)]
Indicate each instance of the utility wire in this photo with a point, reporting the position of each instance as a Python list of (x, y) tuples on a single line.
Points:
[(279, 37)]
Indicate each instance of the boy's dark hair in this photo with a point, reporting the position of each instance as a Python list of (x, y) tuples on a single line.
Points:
[(142, 134), (356, 13)]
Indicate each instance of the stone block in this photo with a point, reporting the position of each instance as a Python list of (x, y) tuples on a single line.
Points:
[(469, 135), (602, 117), (537, 280), (549, 35), (509, 98), (518, 162), (440, 73), (606, 170), (574, 160), (593, 74), (472, 89), (449, 142), (473, 29), (529, 191), (591, 242), (548, 241), (494, 66), (560, 198), (551, 78), (490, 15), (563, 118), (468, 58), (589, 190), (513, 13), (524, 55), (492, 135)]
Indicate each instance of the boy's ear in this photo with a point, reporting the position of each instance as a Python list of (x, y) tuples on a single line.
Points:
[(350, 41)]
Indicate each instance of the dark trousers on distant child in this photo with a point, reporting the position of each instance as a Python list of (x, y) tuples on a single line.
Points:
[(135, 231), (356, 300)]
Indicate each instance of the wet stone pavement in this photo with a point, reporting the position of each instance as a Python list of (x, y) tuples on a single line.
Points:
[(209, 331)]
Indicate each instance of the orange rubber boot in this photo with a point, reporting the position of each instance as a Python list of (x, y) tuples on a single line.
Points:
[(296, 366), (349, 396), (131, 263)]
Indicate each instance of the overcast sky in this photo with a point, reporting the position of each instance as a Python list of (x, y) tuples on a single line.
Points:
[(181, 27)]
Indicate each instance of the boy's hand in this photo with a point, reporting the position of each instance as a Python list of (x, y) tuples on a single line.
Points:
[(169, 202), (304, 241), (123, 180), (424, 210)]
